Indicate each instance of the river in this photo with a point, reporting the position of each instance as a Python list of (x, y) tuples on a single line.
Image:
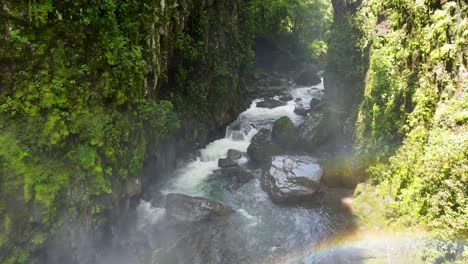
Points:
[(259, 231)]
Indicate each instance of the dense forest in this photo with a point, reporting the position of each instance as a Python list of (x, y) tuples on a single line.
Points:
[(95, 94)]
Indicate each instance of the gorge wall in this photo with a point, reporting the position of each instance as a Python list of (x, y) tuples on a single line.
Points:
[(404, 83), (89, 92)]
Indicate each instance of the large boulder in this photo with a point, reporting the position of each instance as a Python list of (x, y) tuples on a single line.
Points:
[(292, 179), (301, 110), (261, 148), (235, 176), (316, 104), (318, 128), (226, 163), (234, 154), (284, 133), (270, 103), (308, 77), (186, 208), (309, 130)]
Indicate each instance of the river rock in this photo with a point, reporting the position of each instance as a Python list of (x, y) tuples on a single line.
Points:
[(236, 176), (186, 208), (284, 133), (261, 148), (270, 103), (227, 162), (308, 77), (309, 131), (301, 110), (292, 179), (285, 98), (234, 154), (315, 103)]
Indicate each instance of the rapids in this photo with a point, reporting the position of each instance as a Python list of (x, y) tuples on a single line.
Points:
[(260, 231)]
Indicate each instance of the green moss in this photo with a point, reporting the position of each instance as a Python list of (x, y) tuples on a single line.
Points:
[(23, 257), (284, 132), (412, 121)]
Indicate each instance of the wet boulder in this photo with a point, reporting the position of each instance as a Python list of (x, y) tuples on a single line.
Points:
[(234, 154), (292, 179), (322, 127), (284, 133), (301, 110), (316, 129), (261, 148), (308, 77), (286, 98), (315, 104), (226, 163), (187, 208), (270, 103), (235, 176)]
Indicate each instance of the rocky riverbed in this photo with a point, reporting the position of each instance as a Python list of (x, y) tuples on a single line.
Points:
[(250, 197)]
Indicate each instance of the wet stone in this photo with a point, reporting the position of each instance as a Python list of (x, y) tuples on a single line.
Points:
[(292, 178)]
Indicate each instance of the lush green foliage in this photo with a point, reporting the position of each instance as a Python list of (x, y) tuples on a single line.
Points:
[(307, 21), (86, 86), (73, 108), (413, 118)]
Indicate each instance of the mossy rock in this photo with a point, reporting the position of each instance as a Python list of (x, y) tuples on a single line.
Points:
[(261, 148), (308, 76), (284, 132)]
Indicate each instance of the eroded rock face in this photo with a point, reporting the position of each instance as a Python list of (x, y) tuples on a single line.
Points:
[(186, 208), (261, 148), (292, 178), (235, 176)]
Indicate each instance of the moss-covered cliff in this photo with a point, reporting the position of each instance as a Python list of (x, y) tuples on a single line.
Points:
[(413, 118), (88, 88), (411, 125)]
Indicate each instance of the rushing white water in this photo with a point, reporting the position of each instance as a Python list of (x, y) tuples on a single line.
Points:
[(259, 227), (189, 179), (148, 215)]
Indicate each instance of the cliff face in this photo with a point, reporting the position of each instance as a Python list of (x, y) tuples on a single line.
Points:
[(345, 68), (409, 100), (89, 91), (412, 120)]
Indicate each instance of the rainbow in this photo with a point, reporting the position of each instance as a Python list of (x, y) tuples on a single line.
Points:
[(366, 246)]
